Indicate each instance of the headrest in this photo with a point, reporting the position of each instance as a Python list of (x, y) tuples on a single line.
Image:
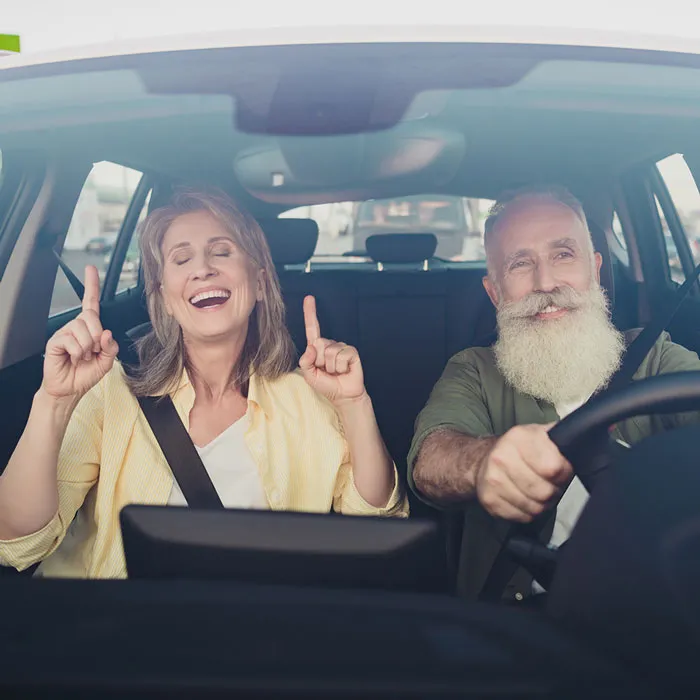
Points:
[(291, 241), (401, 247), (600, 243)]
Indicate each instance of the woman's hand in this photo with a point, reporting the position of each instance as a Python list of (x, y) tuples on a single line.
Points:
[(332, 369), (82, 352)]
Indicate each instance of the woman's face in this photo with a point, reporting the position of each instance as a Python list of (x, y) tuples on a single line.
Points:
[(209, 285)]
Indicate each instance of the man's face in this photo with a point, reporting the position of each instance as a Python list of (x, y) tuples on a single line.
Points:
[(555, 338), (539, 246)]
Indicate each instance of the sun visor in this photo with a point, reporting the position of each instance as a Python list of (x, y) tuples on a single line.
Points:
[(280, 168)]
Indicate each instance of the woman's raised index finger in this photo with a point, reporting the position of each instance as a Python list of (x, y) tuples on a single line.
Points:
[(91, 296), (313, 329)]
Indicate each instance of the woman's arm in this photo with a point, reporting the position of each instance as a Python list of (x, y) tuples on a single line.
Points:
[(334, 370), (29, 484), (77, 357), (372, 467)]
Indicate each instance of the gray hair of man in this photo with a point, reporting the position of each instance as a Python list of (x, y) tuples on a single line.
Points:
[(508, 199)]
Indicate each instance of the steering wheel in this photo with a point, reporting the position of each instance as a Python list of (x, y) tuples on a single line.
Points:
[(665, 393), (582, 437)]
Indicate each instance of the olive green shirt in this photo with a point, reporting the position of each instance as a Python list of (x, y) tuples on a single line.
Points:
[(473, 398)]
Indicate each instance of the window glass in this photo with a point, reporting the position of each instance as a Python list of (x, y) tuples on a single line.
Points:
[(458, 223), (618, 231), (686, 199), (129, 274), (2, 171), (674, 261), (618, 241), (93, 230)]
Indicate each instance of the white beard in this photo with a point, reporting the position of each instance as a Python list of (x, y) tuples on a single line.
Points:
[(559, 360)]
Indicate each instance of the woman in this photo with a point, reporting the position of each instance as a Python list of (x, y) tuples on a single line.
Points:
[(269, 437)]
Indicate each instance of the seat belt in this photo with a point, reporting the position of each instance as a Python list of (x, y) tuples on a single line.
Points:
[(180, 452), (639, 348), (505, 566)]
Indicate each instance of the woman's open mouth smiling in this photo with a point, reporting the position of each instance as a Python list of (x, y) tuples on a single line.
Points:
[(210, 298)]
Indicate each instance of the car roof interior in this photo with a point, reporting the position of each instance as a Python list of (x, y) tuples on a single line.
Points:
[(505, 122)]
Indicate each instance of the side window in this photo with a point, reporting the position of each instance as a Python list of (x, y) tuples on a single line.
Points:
[(618, 241), (685, 199), (618, 232), (94, 228), (458, 223), (129, 273), (674, 261)]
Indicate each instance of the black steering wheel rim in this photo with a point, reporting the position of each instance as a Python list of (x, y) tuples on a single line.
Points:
[(662, 394), (581, 436)]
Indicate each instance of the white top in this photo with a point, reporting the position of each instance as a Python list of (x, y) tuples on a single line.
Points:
[(231, 469), (575, 497)]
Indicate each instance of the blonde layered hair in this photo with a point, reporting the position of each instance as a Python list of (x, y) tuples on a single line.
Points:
[(268, 351)]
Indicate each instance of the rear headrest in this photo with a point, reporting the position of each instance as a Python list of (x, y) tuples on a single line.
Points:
[(401, 247), (291, 241)]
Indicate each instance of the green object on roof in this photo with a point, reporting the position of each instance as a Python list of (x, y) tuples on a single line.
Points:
[(9, 42)]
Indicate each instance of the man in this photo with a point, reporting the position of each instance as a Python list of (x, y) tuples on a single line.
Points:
[(481, 441)]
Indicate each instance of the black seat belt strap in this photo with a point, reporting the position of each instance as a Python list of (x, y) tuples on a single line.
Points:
[(180, 452), (639, 348)]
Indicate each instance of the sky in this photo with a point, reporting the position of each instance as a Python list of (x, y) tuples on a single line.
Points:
[(50, 24)]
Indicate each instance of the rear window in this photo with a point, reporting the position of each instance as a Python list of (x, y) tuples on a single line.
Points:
[(447, 214), (457, 222)]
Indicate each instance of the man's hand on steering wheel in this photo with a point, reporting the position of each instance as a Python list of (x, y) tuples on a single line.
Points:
[(522, 475)]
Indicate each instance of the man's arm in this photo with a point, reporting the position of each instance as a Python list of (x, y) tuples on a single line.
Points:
[(515, 476), (450, 433), (447, 465), (455, 456)]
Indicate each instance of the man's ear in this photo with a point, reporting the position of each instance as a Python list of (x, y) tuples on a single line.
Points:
[(491, 290), (598, 262)]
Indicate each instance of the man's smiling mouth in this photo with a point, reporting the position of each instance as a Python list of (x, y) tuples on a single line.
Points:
[(211, 297), (552, 312)]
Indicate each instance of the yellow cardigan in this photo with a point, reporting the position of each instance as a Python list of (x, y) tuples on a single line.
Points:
[(110, 458)]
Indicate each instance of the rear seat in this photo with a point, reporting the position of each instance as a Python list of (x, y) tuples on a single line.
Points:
[(402, 332), (292, 242), (405, 320)]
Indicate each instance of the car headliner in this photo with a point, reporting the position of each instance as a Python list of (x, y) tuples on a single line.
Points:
[(573, 115)]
